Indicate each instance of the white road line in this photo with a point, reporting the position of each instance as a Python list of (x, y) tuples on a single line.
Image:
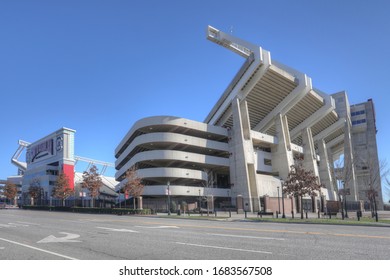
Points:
[(246, 236), (118, 229), (223, 248), (17, 224), (6, 225), (38, 249), (20, 225), (156, 226), (27, 223)]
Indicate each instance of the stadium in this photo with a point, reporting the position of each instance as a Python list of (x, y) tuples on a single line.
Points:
[(239, 156), (269, 115)]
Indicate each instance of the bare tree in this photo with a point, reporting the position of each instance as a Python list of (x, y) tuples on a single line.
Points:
[(343, 171), (133, 184), (10, 191), (92, 182), (301, 182), (376, 173), (62, 189), (35, 190), (343, 174)]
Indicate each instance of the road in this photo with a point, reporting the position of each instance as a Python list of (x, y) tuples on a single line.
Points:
[(41, 235)]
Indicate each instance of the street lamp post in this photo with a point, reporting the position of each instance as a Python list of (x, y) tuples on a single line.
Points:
[(345, 200), (341, 202), (169, 199), (283, 215), (199, 201), (278, 200)]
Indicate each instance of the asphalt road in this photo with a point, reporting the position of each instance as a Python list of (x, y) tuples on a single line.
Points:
[(41, 235)]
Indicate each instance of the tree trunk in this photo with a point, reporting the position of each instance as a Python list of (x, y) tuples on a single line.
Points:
[(301, 207), (134, 202)]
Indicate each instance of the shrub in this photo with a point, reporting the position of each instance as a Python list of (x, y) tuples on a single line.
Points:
[(173, 206)]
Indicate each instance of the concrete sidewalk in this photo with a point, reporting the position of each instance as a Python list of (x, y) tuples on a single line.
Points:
[(233, 215)]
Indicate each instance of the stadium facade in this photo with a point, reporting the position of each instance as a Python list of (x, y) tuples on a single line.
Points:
[(268, 115), (46, 158)]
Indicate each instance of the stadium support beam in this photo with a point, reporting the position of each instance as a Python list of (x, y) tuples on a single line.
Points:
[(325, 170), (236, 45), (15, 158), (94, 161)]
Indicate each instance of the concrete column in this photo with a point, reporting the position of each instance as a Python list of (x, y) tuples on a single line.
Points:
[(242, 167), (349, 164), (310, 159), (210, 202), (325, 170), (267, 204), (310, 156), (240, 204), (282, 157), (140, 202), (334, 185)]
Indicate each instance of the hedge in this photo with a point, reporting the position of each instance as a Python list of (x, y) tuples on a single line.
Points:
[(91, 210)]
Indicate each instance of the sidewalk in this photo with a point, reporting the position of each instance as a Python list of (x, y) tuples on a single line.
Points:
[(312, 218), (233, 215)]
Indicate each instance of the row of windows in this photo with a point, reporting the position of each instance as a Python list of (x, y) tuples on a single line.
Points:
[(358, 122), (357, 113), (264, 149)]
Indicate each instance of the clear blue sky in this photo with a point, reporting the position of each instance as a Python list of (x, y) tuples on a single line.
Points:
[(98, 66)]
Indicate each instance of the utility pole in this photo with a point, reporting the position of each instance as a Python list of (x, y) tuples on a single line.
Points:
[(169, 199)]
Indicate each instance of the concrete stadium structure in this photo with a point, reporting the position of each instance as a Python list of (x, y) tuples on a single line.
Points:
[(267, 116), (49, 156)]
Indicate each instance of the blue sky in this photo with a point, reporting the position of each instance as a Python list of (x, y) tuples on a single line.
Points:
[(98, 66)]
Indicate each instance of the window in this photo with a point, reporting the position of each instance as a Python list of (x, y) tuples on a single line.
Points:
[(358, 122), (264, 149), (52, 172), (267, 162), (357, 113)]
